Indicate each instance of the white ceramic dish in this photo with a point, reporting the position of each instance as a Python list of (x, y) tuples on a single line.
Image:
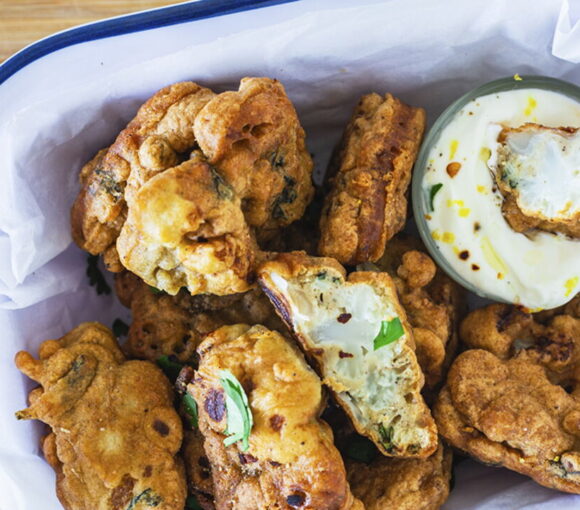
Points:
[(62, 99)]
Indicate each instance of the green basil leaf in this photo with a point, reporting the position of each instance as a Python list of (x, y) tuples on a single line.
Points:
[(387, 436), (432, 192), (190, 406), (239, 415), (155, 290), (170, 366), (390, 331)]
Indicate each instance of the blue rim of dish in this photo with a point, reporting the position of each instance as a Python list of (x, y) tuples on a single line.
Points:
[(147, 20)]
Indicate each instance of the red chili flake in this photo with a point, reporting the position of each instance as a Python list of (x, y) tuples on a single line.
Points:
[(215, 405), (246, 458), (453, 169), (274, 463), (343, 318), (343, 354), (475, 267), (317, 352), (276, 422), (464, 255)]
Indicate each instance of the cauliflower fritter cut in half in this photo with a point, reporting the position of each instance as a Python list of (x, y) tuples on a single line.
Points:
[(357, 334), (254, 138), (252, 379), (185, 228), (159, 137), (369, 176), (513, 399), (114, 431), (404, 484), (433, 302), (164, 325), (537, 174)]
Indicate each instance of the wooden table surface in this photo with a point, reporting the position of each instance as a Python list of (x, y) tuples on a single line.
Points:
[(25, 21)]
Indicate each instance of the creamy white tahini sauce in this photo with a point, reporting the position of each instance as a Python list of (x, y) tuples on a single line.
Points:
[(538, 272)]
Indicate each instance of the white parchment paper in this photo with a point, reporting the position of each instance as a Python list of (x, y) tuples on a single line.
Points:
[(56, 112)]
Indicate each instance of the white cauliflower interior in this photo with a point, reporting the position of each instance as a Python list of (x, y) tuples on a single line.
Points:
[(543, 166), (340, 321)]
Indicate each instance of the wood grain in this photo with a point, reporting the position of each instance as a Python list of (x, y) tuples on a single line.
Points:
[(25, 21)]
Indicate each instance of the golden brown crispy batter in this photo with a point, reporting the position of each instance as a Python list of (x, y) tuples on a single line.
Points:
[(291, 461), (198, 469), (526, 220), (551, 340), (156, 139), (370, 174), (433, 302), (175, 325), (115, 433), (185, 228), (335, 321), (508, 413), (404, 484), (499, 328), (254, 138), (515, 404)]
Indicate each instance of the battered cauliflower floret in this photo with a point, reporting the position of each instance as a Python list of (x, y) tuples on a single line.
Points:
[(114, 431), (509, 413), (185, 228), (433, 302), (537, 174), (369, 176), (512, 400), (164, 325), (131, 207), (158, 138), (290, 460), (356, 333), (253, 137)]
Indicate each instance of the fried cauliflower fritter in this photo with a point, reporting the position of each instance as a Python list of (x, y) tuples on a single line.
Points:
[(185, 228), (508, 413), (291, 461), (340, 323), (434, 304), (254, 138), (513, 399), (404, 484), (198, 469), (158, 138), (155, 204), (114, 431), (369, 176), (175, 325), (528, 156)]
